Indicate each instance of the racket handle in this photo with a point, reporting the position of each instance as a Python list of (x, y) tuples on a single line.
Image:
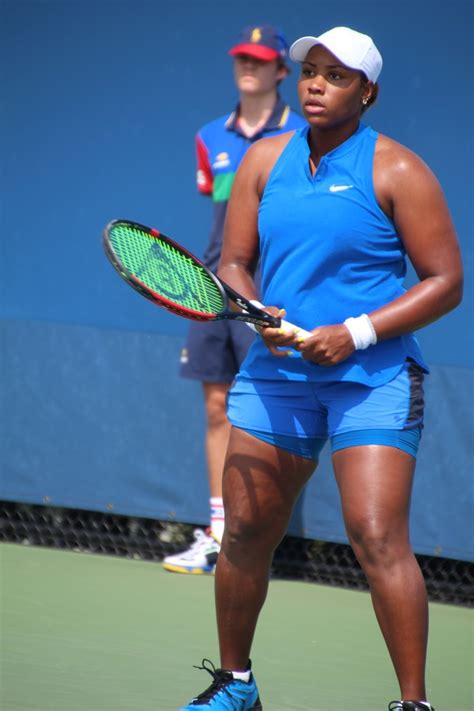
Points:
[(284, 325), (301, 332)]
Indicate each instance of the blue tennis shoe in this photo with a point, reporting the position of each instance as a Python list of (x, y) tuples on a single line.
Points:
[(226, 693)]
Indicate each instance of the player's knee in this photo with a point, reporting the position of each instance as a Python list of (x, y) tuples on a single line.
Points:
[(242, 530), (376, 544)]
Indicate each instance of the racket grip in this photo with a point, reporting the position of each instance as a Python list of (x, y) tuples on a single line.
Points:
[(284, 325), (301, 332)]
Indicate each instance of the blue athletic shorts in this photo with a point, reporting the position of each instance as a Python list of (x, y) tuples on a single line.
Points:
[(301, 416), (214, 351)]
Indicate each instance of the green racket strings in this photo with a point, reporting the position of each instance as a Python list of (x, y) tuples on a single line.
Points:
[(165, 270)]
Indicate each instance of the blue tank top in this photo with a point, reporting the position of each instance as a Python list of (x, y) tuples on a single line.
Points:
[(328, 251)]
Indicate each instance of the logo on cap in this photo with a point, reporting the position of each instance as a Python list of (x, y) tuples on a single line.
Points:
[(256, 35), (264, 42)]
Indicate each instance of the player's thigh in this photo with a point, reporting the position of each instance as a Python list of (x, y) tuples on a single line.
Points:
[(375, 433), (375, 485), (261, 483)]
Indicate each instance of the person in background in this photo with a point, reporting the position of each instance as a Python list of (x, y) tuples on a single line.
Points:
[(214, 351), (332, 210)]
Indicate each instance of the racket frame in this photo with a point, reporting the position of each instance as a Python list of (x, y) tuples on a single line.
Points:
[(249, 313)]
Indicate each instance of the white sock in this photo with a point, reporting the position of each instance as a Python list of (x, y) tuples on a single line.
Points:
[(242, 676), (217, 517)]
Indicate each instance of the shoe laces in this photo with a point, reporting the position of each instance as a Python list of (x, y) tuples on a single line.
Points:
[(220, 679)]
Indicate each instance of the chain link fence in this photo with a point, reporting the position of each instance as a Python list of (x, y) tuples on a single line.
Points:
[(449, 581)]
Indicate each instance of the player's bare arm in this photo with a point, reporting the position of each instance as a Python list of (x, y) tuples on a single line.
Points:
[(410, 194)]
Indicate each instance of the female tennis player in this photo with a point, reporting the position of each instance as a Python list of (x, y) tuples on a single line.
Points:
[(332, 211)]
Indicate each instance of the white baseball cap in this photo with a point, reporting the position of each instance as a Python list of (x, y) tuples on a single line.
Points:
[(354, 49)]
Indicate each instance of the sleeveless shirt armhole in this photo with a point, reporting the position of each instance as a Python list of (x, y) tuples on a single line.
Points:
[(299, 133)]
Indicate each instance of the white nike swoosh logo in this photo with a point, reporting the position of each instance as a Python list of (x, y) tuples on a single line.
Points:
[(338, 188)]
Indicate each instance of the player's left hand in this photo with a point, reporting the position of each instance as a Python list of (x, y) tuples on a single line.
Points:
[(279, 341), (327, 345)]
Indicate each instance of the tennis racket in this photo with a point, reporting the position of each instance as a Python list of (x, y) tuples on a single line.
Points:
[(170, 276)]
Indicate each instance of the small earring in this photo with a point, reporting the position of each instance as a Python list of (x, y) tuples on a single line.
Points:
[(365, 101)]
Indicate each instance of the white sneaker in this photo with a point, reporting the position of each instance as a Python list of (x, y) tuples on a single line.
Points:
[(200, 558)]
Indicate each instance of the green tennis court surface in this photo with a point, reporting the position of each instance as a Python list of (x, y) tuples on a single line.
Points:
[(92, 633)]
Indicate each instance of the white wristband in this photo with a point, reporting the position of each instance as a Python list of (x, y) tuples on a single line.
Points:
[(362, 331)]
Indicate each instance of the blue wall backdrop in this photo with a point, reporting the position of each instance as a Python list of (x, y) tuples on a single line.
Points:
[(101, 101)]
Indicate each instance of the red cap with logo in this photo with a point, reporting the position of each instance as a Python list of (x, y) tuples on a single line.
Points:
[(264, 42)]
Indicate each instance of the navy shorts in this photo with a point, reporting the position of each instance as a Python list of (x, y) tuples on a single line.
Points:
[(300, 416), (214, 350)]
